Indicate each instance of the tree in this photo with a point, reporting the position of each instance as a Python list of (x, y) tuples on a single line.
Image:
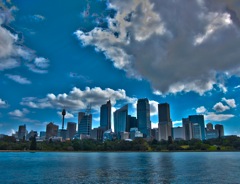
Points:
[(33, 145)]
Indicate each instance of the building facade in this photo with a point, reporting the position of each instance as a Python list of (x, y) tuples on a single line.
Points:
[(121, 119), (143, 117), (199, 119), (51, 130), (84, 123), (105, 116), (165, 122)]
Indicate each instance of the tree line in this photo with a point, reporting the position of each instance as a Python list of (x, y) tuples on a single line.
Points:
[(230, 143)]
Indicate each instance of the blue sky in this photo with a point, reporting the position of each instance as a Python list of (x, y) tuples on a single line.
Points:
[(74, 53)]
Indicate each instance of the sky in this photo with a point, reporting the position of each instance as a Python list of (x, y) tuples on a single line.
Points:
[(70, 54)]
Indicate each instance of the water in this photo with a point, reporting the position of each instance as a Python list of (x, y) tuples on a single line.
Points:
[(130, 167)]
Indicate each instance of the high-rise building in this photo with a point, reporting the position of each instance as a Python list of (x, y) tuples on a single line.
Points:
[(143, 117), (84, 123), (132, 122), (178, 133), (187, 129), (71, 129), (120, 119), (51, 130), (199, 119), (105, 116), (22, 132), (165, 122), (97, 134), (197, 132), (220, 130), (209, 126)]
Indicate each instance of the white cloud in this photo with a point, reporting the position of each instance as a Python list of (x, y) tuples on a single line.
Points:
[(12, 52), (3, 103), (201, 110), (19, 79), (230, 102), (19, 113), (153, 107), (78, 99), (154, 125), (67, 116), (153, 37), (177, 123), (218, 117), (219, 107)]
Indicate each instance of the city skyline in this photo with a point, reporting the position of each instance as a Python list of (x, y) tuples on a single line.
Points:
[(88, 52)]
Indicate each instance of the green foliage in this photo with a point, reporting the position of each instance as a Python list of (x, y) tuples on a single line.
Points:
[(231, 143)]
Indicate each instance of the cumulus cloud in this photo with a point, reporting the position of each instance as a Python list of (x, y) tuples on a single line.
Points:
[(219, 107), (3, 103), (153, 107), (78, 99), (176, 45), (230, 102), (19, 79), (12, 52), (201, 110), (19, 113), (218, 117)]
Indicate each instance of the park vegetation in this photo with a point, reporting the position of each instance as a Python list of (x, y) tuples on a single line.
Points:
[(230, 143)]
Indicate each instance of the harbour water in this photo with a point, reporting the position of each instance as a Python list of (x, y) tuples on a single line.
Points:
[(119, 167)]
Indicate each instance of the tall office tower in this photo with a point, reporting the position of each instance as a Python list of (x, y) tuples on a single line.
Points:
[(22, 132), (187, 129), (143, 117), (132, 122), (105, 116), (199, 119), (84, 123), (209, 126), (165, 122), (51, 130), (71, 129), (197, 131), (220, 130), (120, 119)]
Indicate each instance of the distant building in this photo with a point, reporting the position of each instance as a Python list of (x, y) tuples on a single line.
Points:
[(155, 133), (165, 122), (108, 135), (22, 132), (220, 130), (132, 122), (197, 131), (178, 133), (124, 135), (187, 129), (105, 116), (84, 123), (31, 134), (97, 134), (199, 119), (211, 134), (209, 126), (134, 133), (121, 119), (71, 129), (62, 133), (143, 117), (51, 130)]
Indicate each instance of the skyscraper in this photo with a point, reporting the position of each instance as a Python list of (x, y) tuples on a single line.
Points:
[(187, 129), (143, 117), (105, 116), (199, 119), (51, 130), (165, 122), (22, 132), (84, 123), (71, 129), (120, 119), (220, 130)]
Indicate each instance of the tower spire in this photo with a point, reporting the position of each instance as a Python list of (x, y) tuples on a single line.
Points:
[(63, 114)]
